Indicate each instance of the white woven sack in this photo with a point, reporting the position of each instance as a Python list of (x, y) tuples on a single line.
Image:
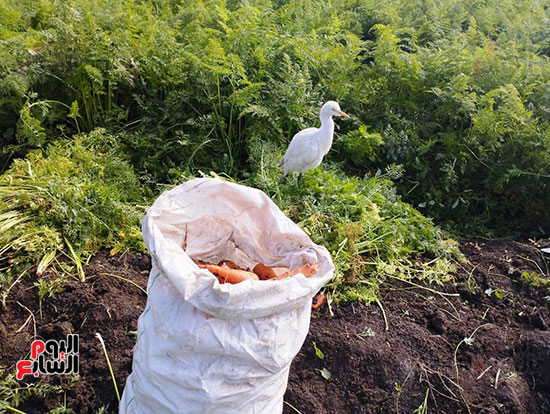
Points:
[(210, 348)]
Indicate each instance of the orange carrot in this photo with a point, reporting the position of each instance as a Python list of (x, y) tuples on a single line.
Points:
[(268, 272), (320, 301), (307, 270), (228, 271), (231, 275), (264, 272)]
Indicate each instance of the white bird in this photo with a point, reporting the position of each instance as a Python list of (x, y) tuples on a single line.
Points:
[(309, 146)]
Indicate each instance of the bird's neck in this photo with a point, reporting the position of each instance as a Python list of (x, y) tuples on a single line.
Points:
[(326, 132)]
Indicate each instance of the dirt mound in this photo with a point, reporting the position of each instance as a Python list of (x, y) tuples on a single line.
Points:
[(480, 345)]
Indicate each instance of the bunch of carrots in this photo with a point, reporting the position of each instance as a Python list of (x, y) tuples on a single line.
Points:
[(227, 271)]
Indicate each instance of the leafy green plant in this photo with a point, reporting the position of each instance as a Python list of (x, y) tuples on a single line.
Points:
[(48, 289), (359, 146), (78, 197), (463, 122), (533, 280), (13, 393), (455, 94)]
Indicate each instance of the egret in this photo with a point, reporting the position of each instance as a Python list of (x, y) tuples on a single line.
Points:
[(309, 146)]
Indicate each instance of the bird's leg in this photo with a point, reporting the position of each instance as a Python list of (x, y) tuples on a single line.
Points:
[(299, 177)]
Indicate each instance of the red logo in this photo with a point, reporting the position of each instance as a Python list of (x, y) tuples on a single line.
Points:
[(51, 357)]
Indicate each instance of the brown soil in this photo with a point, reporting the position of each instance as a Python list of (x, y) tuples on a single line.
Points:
[(487, 325), (103, 304), (375, 370)]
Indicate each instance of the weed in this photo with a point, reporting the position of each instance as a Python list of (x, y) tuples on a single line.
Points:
[(63, 409), (132, 334), (13, 393), (423, 408), (318, 352), (48, 289), (366, 332), (532, 279), (471, 283)]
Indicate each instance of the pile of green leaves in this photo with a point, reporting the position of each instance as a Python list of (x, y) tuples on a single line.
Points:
[(74, 198)]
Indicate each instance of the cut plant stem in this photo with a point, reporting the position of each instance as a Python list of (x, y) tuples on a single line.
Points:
[(425, 287), (442, 294), (291, 406), (126, 280), (98, 335), (45, 262), (496, 378), (428, 300), (465, 340), (15, 410), (383, 314), (31, 316), (484, 372), (7, 291), (76, 260)]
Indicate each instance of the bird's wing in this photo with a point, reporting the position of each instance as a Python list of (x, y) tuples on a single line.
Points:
[(301, 151)]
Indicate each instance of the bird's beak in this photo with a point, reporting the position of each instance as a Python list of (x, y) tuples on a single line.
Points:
[(342, 113)]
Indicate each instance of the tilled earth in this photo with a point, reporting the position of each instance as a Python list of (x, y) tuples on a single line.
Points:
[(478, 345)]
